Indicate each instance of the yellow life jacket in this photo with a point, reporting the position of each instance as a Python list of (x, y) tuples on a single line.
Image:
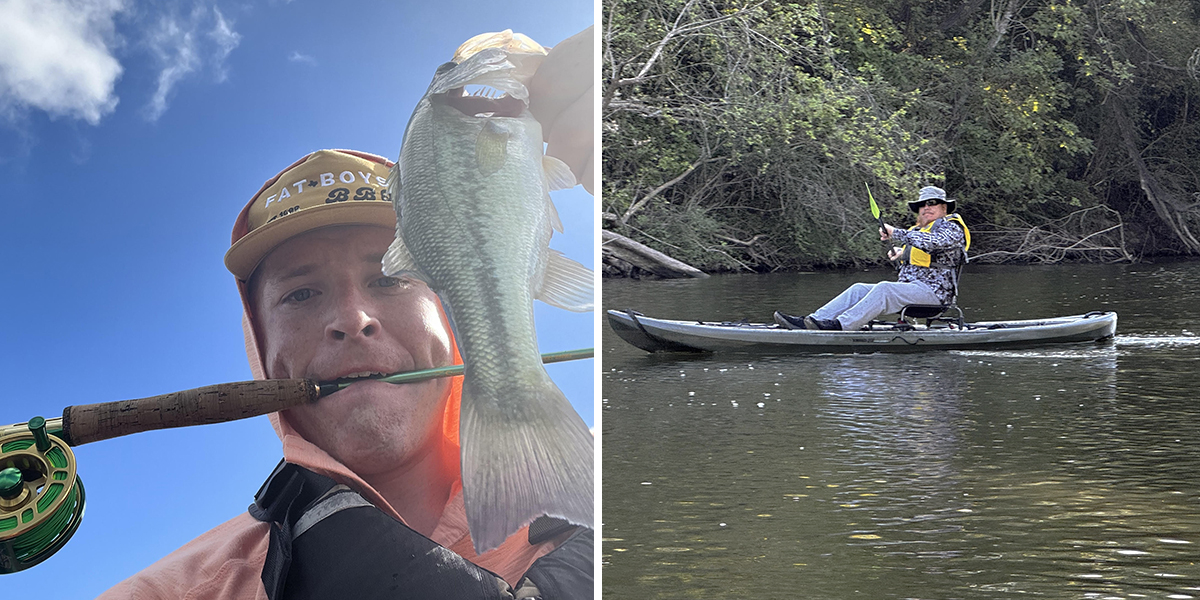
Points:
[(921, 258)]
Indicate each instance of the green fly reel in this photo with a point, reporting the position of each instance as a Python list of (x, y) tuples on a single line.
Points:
[(41, 497)]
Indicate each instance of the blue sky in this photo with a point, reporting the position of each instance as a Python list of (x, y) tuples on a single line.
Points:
[(131, 133)]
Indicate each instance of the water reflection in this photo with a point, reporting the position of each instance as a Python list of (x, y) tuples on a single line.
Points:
[(1061, 472)]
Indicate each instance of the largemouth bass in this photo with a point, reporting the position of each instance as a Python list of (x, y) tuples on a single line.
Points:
[(471, 191)]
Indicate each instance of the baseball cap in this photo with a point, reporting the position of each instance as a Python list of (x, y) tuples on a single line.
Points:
[(326, 187)]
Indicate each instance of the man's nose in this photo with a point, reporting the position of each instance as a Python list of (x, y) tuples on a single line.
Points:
[(354, 317)]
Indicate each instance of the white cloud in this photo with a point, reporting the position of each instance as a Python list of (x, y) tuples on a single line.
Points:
[(175, 48), (56, 56), (225, 39), (302, 58), (181, 48)]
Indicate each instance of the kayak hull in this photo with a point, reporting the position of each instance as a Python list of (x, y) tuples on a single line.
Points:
[(662, 335)]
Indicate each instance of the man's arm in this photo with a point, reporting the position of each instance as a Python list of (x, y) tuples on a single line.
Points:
[(944, 236)]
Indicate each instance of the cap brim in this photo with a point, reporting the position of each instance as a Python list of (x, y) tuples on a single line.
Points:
[(245, 254)]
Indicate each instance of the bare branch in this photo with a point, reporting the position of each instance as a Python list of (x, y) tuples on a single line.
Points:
[(1001, 22), (636, 206), (749, 242)]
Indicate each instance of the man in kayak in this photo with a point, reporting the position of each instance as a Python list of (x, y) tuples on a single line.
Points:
[(367, 502), (931, 253)]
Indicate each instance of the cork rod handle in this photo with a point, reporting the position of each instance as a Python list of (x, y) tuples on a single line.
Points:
[(201, 406)]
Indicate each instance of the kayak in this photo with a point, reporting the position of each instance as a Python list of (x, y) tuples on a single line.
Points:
[(662, 335)]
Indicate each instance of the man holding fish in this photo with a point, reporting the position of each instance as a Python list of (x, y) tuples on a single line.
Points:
[(372, 499)]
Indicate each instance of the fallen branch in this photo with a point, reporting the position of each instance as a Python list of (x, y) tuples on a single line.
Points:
[(619, 247)]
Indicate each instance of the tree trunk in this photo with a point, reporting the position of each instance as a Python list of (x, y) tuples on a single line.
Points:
[(1173, 212)]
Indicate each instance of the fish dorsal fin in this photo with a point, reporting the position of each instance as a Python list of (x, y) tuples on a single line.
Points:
[(567, 284), (558, 174), (491, 148)]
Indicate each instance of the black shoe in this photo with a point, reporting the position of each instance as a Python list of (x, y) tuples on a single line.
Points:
[(789, 321), (812, 322)]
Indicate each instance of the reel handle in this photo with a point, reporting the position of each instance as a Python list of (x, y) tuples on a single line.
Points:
[(201, 406)]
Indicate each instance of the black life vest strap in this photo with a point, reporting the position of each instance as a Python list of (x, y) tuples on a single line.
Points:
[(281, 501), (566, 572), (327, 541)]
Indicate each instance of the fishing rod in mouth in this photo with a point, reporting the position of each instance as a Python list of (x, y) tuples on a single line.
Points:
[(41, 495)]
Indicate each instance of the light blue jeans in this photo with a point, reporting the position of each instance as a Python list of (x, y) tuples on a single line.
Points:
[(862, 302)]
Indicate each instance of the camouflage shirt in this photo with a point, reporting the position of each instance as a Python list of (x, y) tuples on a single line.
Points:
[(945, 241)]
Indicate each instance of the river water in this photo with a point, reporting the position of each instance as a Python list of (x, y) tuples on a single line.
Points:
[(1068, 471)]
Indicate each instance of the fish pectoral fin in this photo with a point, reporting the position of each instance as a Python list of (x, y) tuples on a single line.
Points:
[(491, 148), (567, 284), (558, 174), (397, 259), (393, 186), (393, 179)]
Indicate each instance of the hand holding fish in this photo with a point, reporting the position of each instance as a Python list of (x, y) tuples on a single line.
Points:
[(560, 98)]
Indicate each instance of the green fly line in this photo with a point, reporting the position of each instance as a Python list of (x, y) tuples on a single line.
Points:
[(450, 371), (54, 512), (47, 536)]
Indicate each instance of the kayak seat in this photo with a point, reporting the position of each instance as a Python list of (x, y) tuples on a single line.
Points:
[(933, 313), (948, 313)]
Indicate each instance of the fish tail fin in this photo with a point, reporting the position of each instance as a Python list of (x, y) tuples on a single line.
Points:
[(517, 467)]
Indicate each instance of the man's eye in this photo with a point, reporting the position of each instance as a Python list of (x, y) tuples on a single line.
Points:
[(386, 282), (299, 295)]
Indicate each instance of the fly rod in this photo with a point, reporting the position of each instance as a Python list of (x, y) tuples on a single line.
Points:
[(41, 496)]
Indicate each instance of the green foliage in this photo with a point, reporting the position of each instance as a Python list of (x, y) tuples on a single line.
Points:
[(728, 121)]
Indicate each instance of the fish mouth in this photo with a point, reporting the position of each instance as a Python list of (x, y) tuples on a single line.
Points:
[(482, 103)]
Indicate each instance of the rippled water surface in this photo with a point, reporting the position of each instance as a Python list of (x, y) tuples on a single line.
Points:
[(1064, 472)]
